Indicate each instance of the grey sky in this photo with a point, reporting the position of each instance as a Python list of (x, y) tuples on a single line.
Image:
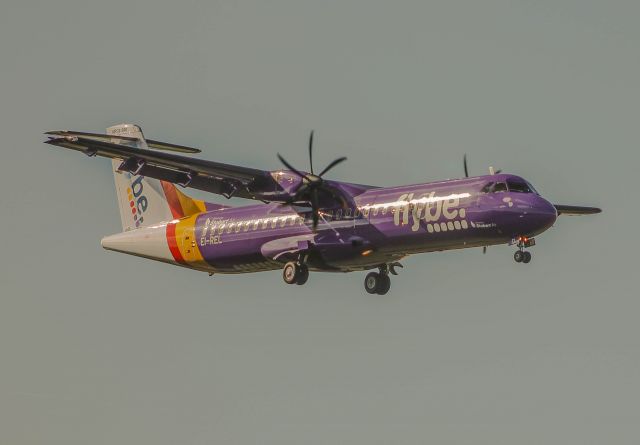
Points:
[(97, 347)]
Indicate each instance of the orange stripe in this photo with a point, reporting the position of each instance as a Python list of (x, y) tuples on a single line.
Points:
[(173, 199), (173, 245)]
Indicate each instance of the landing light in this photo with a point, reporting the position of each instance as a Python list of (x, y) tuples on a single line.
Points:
[(367, 252)]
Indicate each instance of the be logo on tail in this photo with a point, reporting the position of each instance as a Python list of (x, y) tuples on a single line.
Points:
[(137, 201)]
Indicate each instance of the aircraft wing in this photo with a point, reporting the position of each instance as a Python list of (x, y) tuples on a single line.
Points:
[(224, 179), (576, 210)]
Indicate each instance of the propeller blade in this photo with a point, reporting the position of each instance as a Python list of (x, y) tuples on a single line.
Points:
[(484, 250), (314, 208), (291, 167), (311, 151), (498, 171), (466, 170), (333, 164)]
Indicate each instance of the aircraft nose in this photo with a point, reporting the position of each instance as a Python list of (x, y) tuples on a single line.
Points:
[(544, 213)]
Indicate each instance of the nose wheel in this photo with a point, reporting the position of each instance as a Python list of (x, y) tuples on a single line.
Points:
[(521, 255), (295, 273)]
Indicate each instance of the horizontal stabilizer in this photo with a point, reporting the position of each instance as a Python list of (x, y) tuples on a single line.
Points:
[(157, 145), (576, 210)]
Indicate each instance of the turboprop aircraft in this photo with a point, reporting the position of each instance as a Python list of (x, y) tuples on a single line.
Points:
[(303, 221)]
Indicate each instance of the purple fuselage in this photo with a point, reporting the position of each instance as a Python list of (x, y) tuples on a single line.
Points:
[(378, 226)]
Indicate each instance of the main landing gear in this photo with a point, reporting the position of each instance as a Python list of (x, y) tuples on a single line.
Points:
[(379, 282), (521, 255), (295, 273)]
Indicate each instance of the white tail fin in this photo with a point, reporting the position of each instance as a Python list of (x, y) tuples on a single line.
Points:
[(142, 200)]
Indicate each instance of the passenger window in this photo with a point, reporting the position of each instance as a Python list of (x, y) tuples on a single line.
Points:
[(230, 227), (347, 213), (274, 221), (499, 187), (339, 214)]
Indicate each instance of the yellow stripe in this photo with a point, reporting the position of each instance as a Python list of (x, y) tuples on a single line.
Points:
[(187, 241), (189, 205)]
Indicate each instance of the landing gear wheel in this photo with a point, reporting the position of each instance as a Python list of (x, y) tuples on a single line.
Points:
[(518, 256), (384, 284), (527, 257), (371, 282), (377, 283), (292, 273), (303, 275)]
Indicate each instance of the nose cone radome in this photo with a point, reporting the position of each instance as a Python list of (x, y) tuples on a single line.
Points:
[(541, 216)]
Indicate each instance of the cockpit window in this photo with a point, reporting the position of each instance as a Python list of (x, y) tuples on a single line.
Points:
[(499, 187), (486, 188), (533, 189), (518, 186)]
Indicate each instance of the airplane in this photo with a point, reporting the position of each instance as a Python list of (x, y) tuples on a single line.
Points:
[(303, 222)]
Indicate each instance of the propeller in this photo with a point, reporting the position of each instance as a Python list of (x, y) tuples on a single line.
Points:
[(312, 184), (466, 168)]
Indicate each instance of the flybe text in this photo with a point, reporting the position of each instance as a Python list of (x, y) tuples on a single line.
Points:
[(429, 208)]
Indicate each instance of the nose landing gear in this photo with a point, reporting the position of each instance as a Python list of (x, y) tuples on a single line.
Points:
[(521, 255)]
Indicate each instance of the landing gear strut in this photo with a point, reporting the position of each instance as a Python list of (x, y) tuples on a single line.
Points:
[(379, 282), (295, 273), (521, 255)]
